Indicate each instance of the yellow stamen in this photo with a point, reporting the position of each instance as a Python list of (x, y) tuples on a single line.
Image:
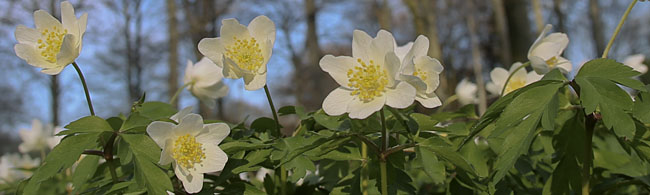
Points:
[(187, 151), (552, 62), (368, 81), (50, 43), (420, 73), (246, 53), (514, 84)]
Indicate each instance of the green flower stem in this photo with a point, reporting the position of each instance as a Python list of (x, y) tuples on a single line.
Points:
[(283, 180), (618, 28), (364, 169), (275, 114), (108, 156), (178, 92), (83, 82), (384, 179), (510, 76), (382, 157)]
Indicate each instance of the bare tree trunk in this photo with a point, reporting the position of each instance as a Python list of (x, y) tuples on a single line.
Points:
[(425, 22), (519, 28), (502, 29), (476, 58), (557, 8), (597, 26), (314, 54), (384, 15), (539, 20), (172, 81)]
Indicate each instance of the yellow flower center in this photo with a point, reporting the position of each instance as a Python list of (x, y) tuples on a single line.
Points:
[(246, 53), (552, 62), (514, 84), (50, 42), (420, 74), (368, 80), (187, 151)]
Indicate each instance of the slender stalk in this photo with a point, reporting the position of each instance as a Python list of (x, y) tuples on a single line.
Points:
[(108, 156), (364, 169), (618, 28), (178, 92), (382, 158), (283, 180), (510, 76), (275, 114), (590, 123), (384, 179), (83, 82)]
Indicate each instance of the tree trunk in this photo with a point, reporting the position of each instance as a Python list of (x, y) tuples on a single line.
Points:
[(539, 19), (505, 53), (557, 8), (597, 26), (172, 81), (476, 58), (519, 28)]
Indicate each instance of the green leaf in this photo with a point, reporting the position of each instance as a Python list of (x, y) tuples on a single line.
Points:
[(515, 127), (444, 150), (611, 70), (424, 122), (329, 122), (641, 109), (156, 110), (432, 167), (299, 167), (569, 142), (264, 124), (63, 156), (240, 145), (614, 102), (89, 124), (135, 120), (146, 154), (84, 172), (253, 159), (287, 110)]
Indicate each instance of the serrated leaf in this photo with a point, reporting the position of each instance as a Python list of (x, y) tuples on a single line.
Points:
[(63, 156), (264, 124), (156, 110), (444, 150), (135, 120), (432, 167), (84, 171), (253, 159), (89, 124), (327, 121), (611, 70), (146, 155), (569, 142), (641, 109)]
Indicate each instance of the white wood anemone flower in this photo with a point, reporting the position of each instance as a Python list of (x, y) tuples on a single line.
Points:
[(52, 45), (39, 138), (545, 53), (466, 92), (205, 81), (191, 147), (242, 51), (636, 62), (518, 80), (420, 70), (367, 79), (13, 167)]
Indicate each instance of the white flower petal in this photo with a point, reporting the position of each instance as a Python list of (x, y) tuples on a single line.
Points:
[(68, 18), (32, 56), (231, 70), (360, 110), (337, 67), (166, 154), (213, 48), (466, 92), (43, 20), (83, 20), (381, 45), (181, 114), (336, 103), (361, 45), (254, 82), (27, 35), (213, 133), (532, 77), (262, 28), (215, 159), (391, 64), (53, 71), (192, 181), (68, 52), (499, 76), (419, 49), (160, 131), (493, 88), (401, 51), (401, 97), (429, 102), (191, 124), (230, 29), (538, 64), (564, 65)]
